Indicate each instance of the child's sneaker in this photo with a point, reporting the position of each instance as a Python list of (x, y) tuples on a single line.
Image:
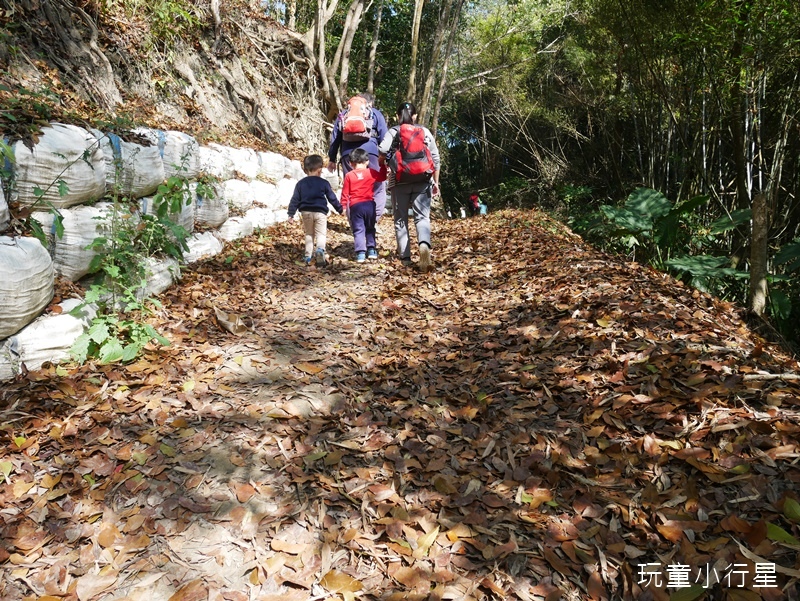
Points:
[(307, 260), (424, 257), (372, 253), (321, 262), (361, 256)]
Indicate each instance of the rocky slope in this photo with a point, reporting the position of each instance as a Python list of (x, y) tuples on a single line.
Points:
[(221, 73)]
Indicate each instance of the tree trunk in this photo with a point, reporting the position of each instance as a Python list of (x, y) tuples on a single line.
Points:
[(436, 51), (291, 14), (373, 48), (758, 255), (317, 49), (445, 67), (415, 26), (738, 112), (341, 60)]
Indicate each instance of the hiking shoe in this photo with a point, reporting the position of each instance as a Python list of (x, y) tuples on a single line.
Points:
[(321, 262), (405, 261), (372, 253), (307, 260), (361, 256), (424, 258)]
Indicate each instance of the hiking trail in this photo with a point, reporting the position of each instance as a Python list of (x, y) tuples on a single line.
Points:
[(530, 420)]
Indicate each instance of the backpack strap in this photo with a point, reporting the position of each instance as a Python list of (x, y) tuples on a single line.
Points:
[(395, 140)]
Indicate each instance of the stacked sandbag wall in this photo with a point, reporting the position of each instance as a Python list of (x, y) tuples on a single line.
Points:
[(71, 170)]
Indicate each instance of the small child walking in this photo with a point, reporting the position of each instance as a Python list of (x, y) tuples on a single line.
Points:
[(358, 199), (311, 197)]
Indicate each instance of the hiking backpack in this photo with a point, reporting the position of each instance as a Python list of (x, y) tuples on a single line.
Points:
[(357, 122), (412, 161)]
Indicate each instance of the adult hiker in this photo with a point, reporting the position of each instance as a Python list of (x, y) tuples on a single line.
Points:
[(413, 157), (359, 125)]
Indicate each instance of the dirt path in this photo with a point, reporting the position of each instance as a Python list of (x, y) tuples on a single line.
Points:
[(531, 420)]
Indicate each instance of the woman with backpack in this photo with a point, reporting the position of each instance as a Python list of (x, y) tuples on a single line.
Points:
[(413, 157)]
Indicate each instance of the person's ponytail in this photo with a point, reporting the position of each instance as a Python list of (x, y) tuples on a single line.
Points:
[(406, 112)]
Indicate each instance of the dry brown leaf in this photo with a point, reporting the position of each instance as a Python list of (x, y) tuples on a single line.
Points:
[(195, 590), (93, 583), (309, 368), (341, 583), (109, 533), (288, 547)]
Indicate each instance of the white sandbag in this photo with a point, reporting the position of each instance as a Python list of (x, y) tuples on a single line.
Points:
[(82, 225), (63, 153), (161, 274), (50, 337), (295, 170), (211, 212), (245, 160), (265, 194), (132, 170), (237, 193), (8, 362), (235, 228), (185, 160), (26, 282), (260, 217), (288, 168), (180, 152), (202, 246), (215, 163), (285, 191), (272, 166), (5, 216), (332, 177), (185, 218)]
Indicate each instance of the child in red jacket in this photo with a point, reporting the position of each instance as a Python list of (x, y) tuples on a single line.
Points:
[(358, 200)]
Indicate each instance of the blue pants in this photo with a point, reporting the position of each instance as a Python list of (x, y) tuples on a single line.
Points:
[(380, 187), (362, 222)]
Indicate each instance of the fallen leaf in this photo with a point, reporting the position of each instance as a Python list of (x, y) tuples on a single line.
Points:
[(93, 583)]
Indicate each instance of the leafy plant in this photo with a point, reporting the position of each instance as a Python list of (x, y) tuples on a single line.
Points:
[(112, 339), (119, 332), (650, 222), (785, 290), (789, 256)]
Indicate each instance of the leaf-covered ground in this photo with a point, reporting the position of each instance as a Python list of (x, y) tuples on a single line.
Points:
[(531, 420)]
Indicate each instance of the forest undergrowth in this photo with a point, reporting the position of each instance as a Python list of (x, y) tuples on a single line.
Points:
[(531, 420)]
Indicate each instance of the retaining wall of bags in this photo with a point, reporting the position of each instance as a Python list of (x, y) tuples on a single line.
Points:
[(73, 170)]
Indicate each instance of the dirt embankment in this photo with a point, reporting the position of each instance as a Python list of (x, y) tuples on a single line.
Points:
[(229, 76)]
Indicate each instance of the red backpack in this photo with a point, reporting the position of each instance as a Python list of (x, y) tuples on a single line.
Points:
[(357, 122), (412, 161)]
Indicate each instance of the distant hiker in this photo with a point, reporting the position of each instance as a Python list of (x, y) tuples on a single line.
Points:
[(358, 199), (474, 204), (359, 125), (311, 197), (484, 208), (412, 155)]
